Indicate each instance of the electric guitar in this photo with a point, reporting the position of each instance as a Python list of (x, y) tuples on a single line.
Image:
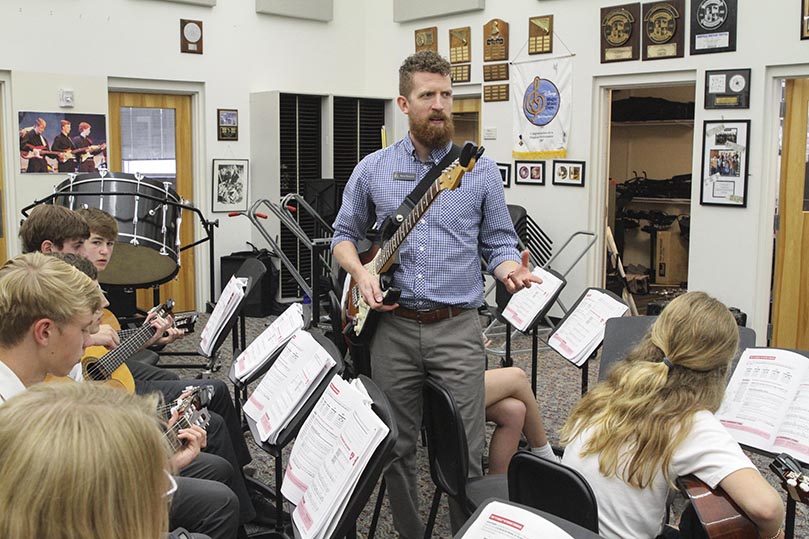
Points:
[(63, 155), (719, 515), (382, 262)]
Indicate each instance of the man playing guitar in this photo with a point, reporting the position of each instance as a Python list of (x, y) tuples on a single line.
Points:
[(62, 143), (32, 144), (86, 149)]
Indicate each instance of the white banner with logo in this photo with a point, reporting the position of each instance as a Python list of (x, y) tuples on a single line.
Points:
[(542, 93)]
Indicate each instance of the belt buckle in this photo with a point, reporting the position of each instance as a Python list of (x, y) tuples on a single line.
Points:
[(421, 313)]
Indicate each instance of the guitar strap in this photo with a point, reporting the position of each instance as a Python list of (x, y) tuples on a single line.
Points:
[(396, 218)]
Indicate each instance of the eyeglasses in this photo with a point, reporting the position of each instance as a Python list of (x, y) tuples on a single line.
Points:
[(172, 486)]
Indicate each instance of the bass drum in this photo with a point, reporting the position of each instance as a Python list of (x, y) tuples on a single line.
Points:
[(148, 215)]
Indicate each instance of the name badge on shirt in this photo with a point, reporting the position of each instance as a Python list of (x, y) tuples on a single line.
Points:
[(404, 176)]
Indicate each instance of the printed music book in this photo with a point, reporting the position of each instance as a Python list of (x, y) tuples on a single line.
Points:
[(581, 331), (229, 301), (269, 342), (528, 305), (330, 453), (766, 404), (288, 384), (502, 520)]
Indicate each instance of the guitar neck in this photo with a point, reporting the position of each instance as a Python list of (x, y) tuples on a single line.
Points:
[(171, 433), (116, 357), (415, 215)]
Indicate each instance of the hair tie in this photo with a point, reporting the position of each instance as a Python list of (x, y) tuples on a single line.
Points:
[(667, 362)]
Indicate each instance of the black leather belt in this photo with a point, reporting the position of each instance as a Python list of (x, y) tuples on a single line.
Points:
[(427, 317)]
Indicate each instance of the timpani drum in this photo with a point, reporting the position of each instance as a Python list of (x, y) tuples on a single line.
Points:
[(148, 215)]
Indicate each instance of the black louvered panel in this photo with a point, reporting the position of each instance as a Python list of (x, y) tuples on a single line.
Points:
[(372, 118), (346, 150)]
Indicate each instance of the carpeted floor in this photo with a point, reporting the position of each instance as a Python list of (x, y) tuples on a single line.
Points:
[(558, 388)]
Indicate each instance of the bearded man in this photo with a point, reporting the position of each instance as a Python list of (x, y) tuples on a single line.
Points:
[(434, 330)]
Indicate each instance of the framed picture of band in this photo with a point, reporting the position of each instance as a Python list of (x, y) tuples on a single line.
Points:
[(724, 163), (230, 184), (529, 172), (62, 143)]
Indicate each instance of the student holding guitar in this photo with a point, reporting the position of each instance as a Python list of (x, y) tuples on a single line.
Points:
[(652, 421), (433, 327)]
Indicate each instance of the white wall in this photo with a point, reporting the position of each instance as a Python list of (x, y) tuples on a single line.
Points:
[(358, 54)]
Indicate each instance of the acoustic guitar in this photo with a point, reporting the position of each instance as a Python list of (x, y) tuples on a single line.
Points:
[(382, 262), (192, 410), (719, 515)]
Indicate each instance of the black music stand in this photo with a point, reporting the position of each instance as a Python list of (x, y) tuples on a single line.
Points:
[(287, 434), (584, 367), (252, 270)]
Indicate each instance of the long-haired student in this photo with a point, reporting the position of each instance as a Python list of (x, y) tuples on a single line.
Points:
[(652, 420)]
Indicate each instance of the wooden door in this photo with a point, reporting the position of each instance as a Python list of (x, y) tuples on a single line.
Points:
[(181, 289), (791, 296)]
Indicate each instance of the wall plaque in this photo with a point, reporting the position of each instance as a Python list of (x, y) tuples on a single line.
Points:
[(495, 40), (540, 34), (713, 26), (495, 92), (495, 72), (460, 73), (727, 89), (663, 30), (620, 35), (427, 39), (190, 36), (459, 45)]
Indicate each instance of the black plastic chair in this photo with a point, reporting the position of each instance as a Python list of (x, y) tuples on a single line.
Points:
[(552, 487), (622, 334), (449, 456)]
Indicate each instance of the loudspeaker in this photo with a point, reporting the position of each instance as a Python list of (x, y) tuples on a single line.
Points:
[(262, 299)]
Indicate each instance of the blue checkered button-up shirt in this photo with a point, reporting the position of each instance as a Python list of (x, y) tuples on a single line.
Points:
[(440, 259)]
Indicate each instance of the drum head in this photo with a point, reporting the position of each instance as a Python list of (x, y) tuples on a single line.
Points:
[(132, 265)]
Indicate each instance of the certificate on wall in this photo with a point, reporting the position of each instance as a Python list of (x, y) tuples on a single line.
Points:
[(724, 163)]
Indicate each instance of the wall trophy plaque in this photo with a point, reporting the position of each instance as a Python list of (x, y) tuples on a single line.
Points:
[(459, 45), (495, 40), (663, 30), (620, 35), (495, 92), (190, 36), (540, 34), (713, 26), (495, 72), (427, 39), (460, 73), (727, 89)]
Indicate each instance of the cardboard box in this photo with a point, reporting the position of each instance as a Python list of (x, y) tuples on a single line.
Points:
[(671, 258)]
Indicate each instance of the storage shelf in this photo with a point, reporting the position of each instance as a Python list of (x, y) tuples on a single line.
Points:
[(654, 200), (655, 123)]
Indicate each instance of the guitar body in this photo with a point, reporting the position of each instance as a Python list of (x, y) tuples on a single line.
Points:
[(719, 516), (356, 312)]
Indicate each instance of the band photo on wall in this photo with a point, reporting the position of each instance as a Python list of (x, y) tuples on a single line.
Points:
[(724, 163), (62, 143), (230, 179)]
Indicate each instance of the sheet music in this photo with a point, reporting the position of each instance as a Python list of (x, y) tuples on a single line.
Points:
[(231, 296), (499, 520), (580, 333), (270, 341), (525, 305)]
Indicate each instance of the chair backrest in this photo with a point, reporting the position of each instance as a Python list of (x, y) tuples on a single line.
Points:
[(552, 487), (622, 334), (446, 440), (373, 470)]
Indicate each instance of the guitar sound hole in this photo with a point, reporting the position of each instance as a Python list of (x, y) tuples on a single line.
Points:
[(95, 372)]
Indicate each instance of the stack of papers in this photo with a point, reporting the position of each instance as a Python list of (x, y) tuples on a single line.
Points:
[(500, 520), (331, 451), (231, 298), (269, 342), (288, 385), (528, 304), (582, 329)]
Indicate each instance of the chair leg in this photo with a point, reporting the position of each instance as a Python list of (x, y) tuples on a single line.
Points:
[(377, 510), (428, 530)]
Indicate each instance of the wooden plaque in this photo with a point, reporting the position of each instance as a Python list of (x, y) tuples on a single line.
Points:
[(459, 45), (427, 39), (495, 40), (663, 30), (540, 34), (460, 73), (495, 72), (495, 92), (190, 36), (620, 33)]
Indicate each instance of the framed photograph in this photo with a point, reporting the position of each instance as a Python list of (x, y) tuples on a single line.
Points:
[(230, 184), (804, 19), (227, 122), (62, 142), (724, 163), (568, 172), (529, 172), (505, 173)]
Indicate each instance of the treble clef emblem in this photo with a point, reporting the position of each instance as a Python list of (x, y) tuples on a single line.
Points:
[(541, 101), (534, 102)]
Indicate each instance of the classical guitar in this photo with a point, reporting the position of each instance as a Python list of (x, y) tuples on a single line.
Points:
[(191, 412), (794, 481), (185, 322), (382, 262), (718, 515)]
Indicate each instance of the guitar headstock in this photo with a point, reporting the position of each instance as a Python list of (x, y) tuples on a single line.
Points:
[(185, 322), (194, 397), (164, 309), (794, 481), (451, 176)]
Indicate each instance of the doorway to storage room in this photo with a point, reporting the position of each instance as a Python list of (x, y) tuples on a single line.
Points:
[(649, 193)]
